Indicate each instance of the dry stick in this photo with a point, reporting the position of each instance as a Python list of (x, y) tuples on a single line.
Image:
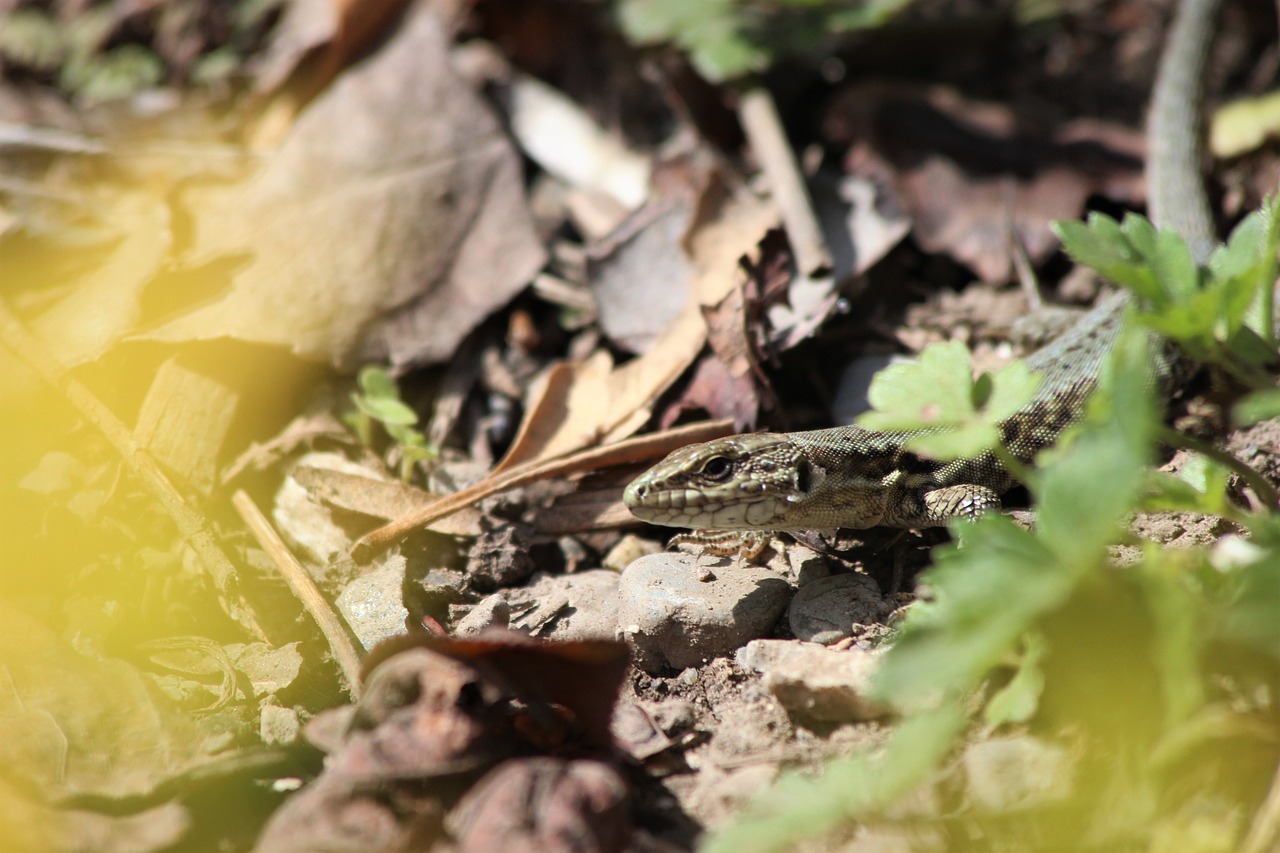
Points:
[(631, 450), (191, 524), (759, 118), (313, 601)]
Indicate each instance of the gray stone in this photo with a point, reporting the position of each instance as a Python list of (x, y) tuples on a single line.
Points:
[(279, 725), (827, 609), (678, 610), (578, 606), (373, 604), (813, 682)]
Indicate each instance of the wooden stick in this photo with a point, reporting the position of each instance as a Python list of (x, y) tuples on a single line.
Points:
[(759, 117), (335, 630)]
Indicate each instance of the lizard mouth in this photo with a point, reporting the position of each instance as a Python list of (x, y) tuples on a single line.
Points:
[(693, 508)]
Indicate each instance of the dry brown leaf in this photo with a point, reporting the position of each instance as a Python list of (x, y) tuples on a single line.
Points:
[(313, 42), (73, 725), (388, 224), (104, 305), (967, 173), (379, 498), (593, 402)]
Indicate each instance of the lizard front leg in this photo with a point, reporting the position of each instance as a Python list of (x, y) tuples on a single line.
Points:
[(936, 507)]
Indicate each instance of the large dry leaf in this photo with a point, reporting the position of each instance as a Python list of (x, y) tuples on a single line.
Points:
[(388, 224), (103, 305)]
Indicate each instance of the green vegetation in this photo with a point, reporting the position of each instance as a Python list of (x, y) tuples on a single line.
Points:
[(1156, 679), (378, 402), (726, 39)]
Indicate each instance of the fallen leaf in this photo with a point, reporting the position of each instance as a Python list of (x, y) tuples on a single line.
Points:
[(970, 177), (545, 804), (387, 225)]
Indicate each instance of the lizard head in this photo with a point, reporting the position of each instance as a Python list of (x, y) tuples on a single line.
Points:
[(744, 482)]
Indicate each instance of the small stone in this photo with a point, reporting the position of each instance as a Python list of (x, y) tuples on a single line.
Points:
[(279, 725), (629, 549), (578, 606), (491, 612), (373, 604), (1017, 772), (674, 618), (813, 682), (828, 609), (500, 558)]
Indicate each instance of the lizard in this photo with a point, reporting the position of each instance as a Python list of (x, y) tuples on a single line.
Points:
[(739, 491)]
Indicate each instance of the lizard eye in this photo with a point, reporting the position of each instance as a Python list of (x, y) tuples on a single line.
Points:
[(717, 468)]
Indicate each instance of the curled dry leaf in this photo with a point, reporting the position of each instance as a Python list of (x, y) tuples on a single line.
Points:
[(434, 713), (545, 804), (388, 224)]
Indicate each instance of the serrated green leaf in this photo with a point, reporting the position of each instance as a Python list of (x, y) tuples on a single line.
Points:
[(969, 439), (947, 646), (933, 390), (1096, 477), (1103, 246), (1140, 235), (1172, 265), (1012, 387)]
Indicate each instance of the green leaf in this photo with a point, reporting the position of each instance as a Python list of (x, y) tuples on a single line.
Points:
[(1258, 406), (933, 390), (376, 381), (1178, 618), (962, 441), (1012, 387), (949, 644), (1017, 701), (1172, 264), (387, 411), (1095, 476)]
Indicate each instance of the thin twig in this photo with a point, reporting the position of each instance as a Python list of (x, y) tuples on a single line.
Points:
[(630, 450), (333, 627), (191, 524), (759, 117)]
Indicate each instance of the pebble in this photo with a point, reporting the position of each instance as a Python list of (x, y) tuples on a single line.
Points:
[(813, 682), (678, 610), (373, 604), (828, 609)]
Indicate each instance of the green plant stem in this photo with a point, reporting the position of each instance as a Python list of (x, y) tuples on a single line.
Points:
[(1266, 492)]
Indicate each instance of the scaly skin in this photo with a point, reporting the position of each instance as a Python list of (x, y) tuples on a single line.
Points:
[(856, 478)]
